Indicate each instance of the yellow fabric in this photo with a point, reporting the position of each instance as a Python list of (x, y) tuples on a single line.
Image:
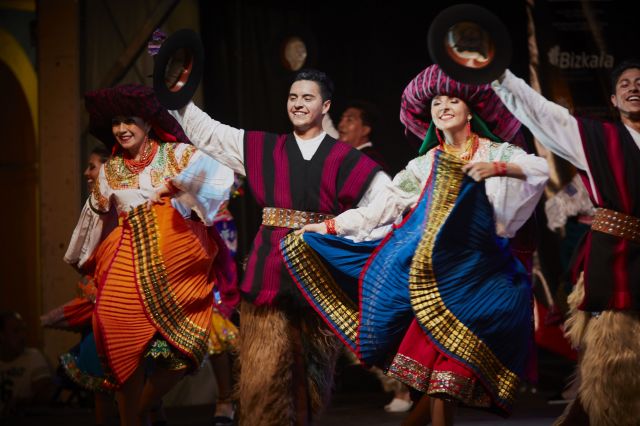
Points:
[(223, 335)]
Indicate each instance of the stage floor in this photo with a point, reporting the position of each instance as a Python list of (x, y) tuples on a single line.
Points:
[(349, 409), (358, 400)]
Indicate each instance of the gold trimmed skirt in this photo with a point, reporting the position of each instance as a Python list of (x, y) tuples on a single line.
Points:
[(153, 273)]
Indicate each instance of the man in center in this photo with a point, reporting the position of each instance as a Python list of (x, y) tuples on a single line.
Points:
[(286, 354)]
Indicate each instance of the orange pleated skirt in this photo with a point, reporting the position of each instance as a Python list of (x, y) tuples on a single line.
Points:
[(153, 273)]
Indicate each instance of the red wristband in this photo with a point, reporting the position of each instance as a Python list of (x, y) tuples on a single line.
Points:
[(500, 168), (331, 226)]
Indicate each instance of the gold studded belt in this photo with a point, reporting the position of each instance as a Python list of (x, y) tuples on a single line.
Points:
[(294, 219), (618, 224)]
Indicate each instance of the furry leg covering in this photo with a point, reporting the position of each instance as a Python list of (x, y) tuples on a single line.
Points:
[(610, 362), (267, 361)]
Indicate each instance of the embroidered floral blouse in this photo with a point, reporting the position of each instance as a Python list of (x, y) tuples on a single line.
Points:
[(203, 182), (513, 200)]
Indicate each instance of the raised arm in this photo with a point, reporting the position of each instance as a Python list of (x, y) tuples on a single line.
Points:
[(220, 141), (550, 123)]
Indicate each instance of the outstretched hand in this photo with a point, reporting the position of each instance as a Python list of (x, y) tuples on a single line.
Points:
[(319, 228)]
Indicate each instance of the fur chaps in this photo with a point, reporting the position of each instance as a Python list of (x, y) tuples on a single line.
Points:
[(269, 340), (609, 364)]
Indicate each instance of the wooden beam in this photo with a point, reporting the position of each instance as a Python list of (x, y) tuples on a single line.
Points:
[(59, 157), (126, 60)]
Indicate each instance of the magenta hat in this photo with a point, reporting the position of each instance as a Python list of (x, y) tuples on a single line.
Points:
[(415, 106), (130, 100)]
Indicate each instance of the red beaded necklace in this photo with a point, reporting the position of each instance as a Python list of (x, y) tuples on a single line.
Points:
[(149, 151)]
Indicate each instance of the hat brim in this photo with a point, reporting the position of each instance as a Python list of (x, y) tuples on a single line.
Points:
[(493, 61), (130, 100), (180, 91)]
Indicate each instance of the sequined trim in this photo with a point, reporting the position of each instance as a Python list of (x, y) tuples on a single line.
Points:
[(164, 165), (410, 372), (119, 176), (320, 289), (167, 165), (429, 308), (87, 288), (443, 384), (79, 377), (98, 202), (288, 218), (166, 356), (155, 289), (109, 382)]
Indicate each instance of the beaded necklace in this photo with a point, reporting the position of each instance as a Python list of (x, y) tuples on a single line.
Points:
[(136, 166), (466, 153)]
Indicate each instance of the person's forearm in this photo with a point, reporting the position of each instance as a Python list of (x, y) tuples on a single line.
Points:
[(220, 141), (514, 171), (550, 123)]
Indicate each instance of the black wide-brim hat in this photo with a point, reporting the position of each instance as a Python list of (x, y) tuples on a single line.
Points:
[(470, 44), (130, 100), (183, 49)]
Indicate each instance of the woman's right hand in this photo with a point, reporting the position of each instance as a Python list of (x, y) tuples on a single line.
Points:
[(166, 190), (319, 228), (156, 197)]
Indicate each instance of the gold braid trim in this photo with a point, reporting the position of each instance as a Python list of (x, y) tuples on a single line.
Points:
[(168, 165), (440, 383), (429, 308), (164, 165), (118, 174), (320, 286), (101, 205), (155, 289)]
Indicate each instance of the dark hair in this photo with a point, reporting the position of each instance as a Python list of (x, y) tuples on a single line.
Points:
[(5, 315), (102, 152), (620, 68), (323, 80), (368, 112)]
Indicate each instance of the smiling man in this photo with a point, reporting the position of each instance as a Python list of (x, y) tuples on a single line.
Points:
[(306, 176), (606, 299)]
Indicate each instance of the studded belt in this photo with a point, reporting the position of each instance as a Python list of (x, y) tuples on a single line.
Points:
[(618, 224), (294, 219)]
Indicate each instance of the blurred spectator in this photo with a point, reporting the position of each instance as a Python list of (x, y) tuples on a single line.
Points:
[(357, 128), (25, 376)]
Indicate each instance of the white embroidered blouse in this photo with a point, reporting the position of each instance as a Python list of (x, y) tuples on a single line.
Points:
[(203, 182), (513, 200)]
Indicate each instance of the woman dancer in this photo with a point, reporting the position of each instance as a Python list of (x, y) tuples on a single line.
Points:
[(442, 304), (155, 270)]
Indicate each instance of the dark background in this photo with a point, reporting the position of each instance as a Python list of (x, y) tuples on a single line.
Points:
[(371, 50)]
